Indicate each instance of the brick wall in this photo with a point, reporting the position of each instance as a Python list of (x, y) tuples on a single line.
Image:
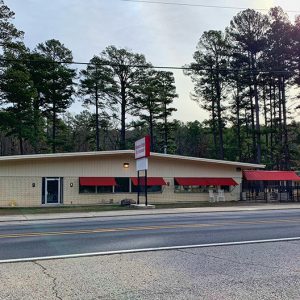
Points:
[(19, 191)]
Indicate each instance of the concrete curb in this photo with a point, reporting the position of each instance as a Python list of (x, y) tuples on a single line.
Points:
[(168, 211)]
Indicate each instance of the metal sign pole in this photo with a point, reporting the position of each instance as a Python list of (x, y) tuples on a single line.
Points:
[(146, 188), (138, 193), (141, 154)]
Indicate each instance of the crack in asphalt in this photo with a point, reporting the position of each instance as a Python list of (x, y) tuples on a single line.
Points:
[(230, 260), (54, 286)]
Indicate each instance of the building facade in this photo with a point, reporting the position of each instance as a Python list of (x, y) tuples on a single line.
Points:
[(107, 177)]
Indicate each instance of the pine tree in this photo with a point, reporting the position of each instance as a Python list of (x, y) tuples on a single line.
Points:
[(209, 74), (127, 69), (96, 87), (57, 82), (247, 31)]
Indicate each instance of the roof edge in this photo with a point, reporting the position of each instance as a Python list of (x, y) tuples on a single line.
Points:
[(209, 160), (120, 152)]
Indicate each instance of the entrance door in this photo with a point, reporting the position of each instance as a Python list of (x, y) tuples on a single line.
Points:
[(52, 191)]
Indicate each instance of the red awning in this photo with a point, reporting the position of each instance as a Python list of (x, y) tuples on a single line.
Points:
[(151, 181), (201, 181), (271, 176), (97, 181), (191, 181)]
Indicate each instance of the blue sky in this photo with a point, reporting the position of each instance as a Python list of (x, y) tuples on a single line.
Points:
[(167, 35)]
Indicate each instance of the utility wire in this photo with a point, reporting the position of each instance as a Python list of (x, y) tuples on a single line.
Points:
[(192, 67), (201, 5)]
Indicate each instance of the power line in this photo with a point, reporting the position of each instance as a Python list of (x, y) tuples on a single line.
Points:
[(192, 67), (202, 5)]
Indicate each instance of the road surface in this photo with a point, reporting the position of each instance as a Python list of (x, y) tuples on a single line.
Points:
[(79, 236)]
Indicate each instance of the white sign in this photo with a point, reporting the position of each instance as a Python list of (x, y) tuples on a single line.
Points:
[(142, 147), (142, 164)]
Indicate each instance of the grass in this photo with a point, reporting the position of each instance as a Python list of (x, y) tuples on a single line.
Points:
[(59, 209), (98, 208), (203, 204)]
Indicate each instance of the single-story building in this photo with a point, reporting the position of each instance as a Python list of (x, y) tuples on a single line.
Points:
[(110, 176)]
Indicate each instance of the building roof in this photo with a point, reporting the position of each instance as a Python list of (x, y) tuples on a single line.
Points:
[(126, 152)]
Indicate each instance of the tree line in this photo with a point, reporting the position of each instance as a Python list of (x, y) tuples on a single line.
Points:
[(246, 77), (38, 86)]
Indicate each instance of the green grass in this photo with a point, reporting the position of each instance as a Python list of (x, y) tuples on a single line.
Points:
[(203, 204), (59, 209), (95, 208)]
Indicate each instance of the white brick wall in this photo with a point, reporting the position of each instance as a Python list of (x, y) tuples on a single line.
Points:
[(19, 190)]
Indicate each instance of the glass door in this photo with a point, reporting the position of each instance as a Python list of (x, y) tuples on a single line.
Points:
[(52, 191)]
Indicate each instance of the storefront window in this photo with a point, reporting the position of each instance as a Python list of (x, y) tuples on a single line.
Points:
[(225, 188), (84, 189), (122, 185), (199, 189), (191, 189), (150, 189), (104, 189)]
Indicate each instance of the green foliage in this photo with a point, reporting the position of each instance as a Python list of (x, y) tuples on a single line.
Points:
[(9, 34), (244, 77), (56, 82), (127, 69)]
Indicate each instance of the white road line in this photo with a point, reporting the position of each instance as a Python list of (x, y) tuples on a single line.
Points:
[(29, 259)]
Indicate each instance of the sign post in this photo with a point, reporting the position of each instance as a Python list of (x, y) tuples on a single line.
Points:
[(141, 153)]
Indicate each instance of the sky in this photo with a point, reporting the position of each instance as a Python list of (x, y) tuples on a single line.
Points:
[(166, 34)]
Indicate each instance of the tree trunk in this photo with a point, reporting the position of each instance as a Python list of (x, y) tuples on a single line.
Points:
[(213, 112), (271, 124), (276, 126), (219, 115), (279, 139), (21, 145), (97, 116), (165, 129), (285, 133), (266, 122), (36, 123), (253, 127), (238, 126), (54, 127), (151, 131), (123, 117), (257, 123)]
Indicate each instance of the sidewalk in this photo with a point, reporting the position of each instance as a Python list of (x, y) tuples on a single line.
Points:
[(54, 216)]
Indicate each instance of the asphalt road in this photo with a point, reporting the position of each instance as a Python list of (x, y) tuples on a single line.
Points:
[(247, 272), (61, 237)]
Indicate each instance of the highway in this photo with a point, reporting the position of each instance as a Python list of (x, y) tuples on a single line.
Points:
[(27, 239)]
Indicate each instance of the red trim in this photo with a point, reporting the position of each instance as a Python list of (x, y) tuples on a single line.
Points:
[(202, 181), (150, 181), (253, 175), (142, 147), (190, 181), (147, 145), (97, 181)]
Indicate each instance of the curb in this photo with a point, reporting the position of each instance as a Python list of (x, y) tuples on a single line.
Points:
[(151, 214)]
